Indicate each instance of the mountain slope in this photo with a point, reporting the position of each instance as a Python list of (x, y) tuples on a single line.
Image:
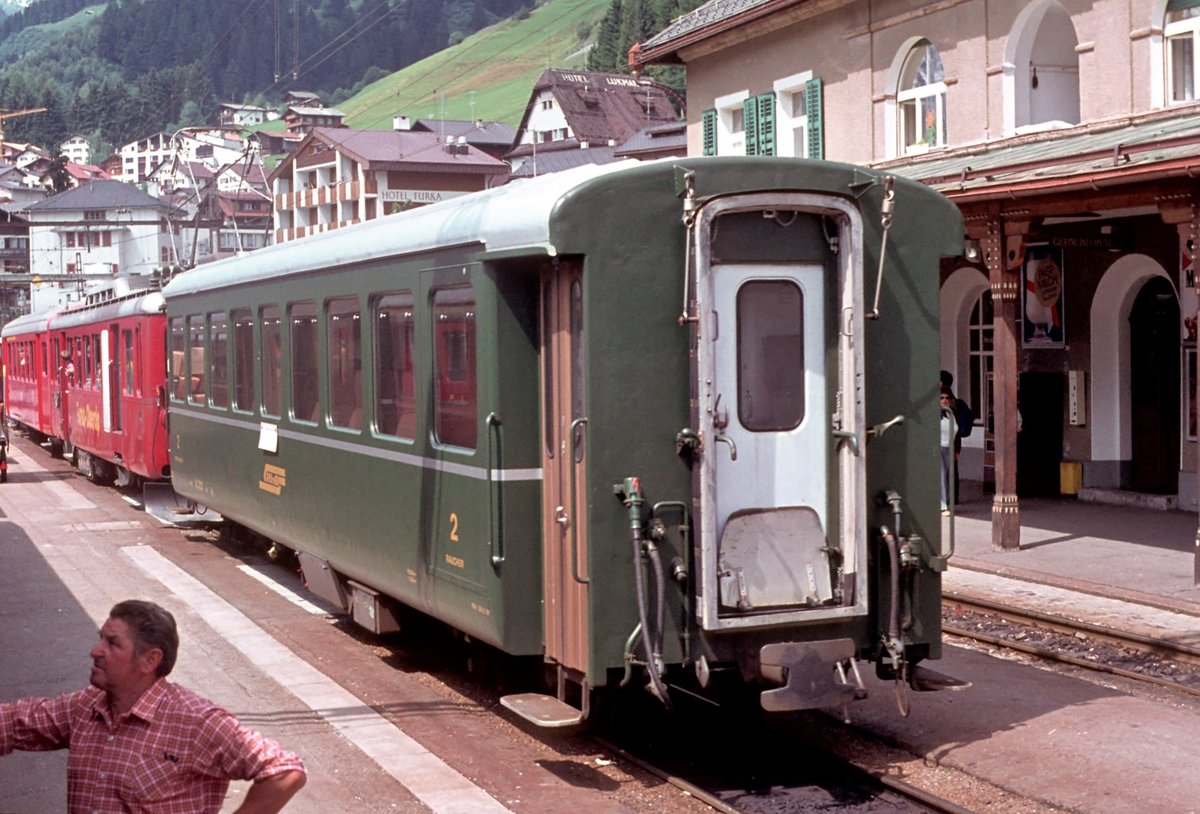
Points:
[(489, 75)]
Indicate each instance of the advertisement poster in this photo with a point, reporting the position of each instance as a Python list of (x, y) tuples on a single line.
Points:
[(1043, 298)]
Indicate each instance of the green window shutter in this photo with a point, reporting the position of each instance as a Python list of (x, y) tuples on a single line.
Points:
[(813, 111), (750, 124), (766, 123), (708, 125), (758, 117)]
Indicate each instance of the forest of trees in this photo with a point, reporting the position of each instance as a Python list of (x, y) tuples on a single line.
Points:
[(140, 66), (631, 21)]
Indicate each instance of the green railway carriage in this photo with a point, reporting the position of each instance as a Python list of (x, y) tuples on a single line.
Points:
[(630, 419)]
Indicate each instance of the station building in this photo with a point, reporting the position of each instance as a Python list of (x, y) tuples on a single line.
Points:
[(1067, 133)]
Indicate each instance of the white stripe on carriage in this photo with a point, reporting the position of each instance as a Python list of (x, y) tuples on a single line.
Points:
[(407, 458)]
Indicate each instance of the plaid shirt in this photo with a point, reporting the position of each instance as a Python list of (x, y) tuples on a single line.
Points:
[(173, 753)]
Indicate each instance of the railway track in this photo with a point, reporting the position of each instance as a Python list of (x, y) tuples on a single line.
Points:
[(1162, 662), (736, 761), (889, 791)]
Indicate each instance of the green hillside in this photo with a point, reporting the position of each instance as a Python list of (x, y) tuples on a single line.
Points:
[(487, 76)]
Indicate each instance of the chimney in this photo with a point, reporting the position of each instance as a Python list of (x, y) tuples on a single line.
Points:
[(401, 123)]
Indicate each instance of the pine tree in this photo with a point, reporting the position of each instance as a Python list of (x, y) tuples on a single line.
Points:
[(603, 56)]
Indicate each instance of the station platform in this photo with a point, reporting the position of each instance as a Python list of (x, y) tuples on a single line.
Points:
[(1059, 742), (1141, 557)]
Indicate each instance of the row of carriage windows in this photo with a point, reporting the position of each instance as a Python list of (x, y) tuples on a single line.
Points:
[(236, 359), (82, 363)]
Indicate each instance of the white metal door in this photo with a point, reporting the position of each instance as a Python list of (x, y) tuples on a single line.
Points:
[(768, 394)]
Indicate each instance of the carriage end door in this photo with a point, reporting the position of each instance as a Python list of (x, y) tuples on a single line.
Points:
[(564, 523)]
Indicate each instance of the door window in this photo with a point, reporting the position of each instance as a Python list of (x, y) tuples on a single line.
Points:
[(770, 355)]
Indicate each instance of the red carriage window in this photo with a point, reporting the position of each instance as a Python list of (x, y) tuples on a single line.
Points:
[(303, 322), (454, 366), (88, 366), (218, 338), (74, 371), (272, 359), (99, 371), (127, 360), (343, 332), (243, 359), (395, 402)]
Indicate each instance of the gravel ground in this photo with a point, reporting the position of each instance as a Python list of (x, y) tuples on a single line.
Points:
[(1077, 645)]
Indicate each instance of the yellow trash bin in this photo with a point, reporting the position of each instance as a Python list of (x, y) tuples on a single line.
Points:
[(1070, 477)]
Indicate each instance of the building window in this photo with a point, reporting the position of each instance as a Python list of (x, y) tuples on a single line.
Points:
[(1181, 29), (921, 100), (979, 339), (800, 116), (730, 122)]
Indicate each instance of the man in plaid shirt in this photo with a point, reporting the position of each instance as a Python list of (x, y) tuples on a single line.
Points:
[(141, 744)]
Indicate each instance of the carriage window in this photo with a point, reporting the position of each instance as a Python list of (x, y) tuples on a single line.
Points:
[(395, 403), (178, 349), (127, 360), (243, 359), (343, 331), (272, 359), (303, 321), (218, 326), (196, 361), (770, 355), (87, 363), (454, 366), (99, 364)]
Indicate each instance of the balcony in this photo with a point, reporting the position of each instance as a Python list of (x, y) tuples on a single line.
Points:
[(327, 194), (284, 235)]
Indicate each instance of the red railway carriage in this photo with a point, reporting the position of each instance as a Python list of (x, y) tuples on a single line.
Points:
[(29, 371), (111, 379)]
